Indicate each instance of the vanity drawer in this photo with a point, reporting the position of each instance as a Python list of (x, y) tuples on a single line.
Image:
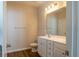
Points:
[(60, 46)]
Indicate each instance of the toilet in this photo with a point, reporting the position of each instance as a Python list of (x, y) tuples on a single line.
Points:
[(34, 47)]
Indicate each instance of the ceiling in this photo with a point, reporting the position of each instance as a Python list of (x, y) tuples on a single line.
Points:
[(33, 3), (36, 3)]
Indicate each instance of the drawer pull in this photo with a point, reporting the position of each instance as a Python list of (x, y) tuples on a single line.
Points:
[(49, 43)]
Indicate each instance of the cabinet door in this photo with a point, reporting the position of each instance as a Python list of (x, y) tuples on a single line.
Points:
[(59, 49), (60, 45), (49, 48), (58, 53), (42, 47)]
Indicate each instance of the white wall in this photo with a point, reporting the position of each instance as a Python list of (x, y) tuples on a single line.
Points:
[(22, 26), (42, 21), (1, 22)]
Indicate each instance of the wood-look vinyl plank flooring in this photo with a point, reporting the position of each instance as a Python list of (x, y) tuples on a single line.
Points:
[(24, 53)]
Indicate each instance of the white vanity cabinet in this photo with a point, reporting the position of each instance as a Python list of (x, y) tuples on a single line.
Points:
[(42, 47), (51, 47)]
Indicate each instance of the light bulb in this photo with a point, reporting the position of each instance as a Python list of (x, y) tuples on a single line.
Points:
[(48, 7), (52, 6), (45, 9)]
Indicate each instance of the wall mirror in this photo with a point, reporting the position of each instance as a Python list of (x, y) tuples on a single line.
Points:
[(56, 22)]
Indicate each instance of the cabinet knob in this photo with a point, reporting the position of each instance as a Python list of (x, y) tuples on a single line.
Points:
[(49, 43)]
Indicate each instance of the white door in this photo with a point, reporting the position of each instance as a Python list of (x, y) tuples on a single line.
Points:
[(17, 29)]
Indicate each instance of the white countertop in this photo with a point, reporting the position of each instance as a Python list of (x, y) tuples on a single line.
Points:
[(60, 39)]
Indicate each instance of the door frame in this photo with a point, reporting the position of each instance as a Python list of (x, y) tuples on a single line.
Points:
[(73, 28), (78, 30), (5, 28)]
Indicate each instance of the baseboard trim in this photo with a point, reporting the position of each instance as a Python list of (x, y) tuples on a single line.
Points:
[(17, 50)]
